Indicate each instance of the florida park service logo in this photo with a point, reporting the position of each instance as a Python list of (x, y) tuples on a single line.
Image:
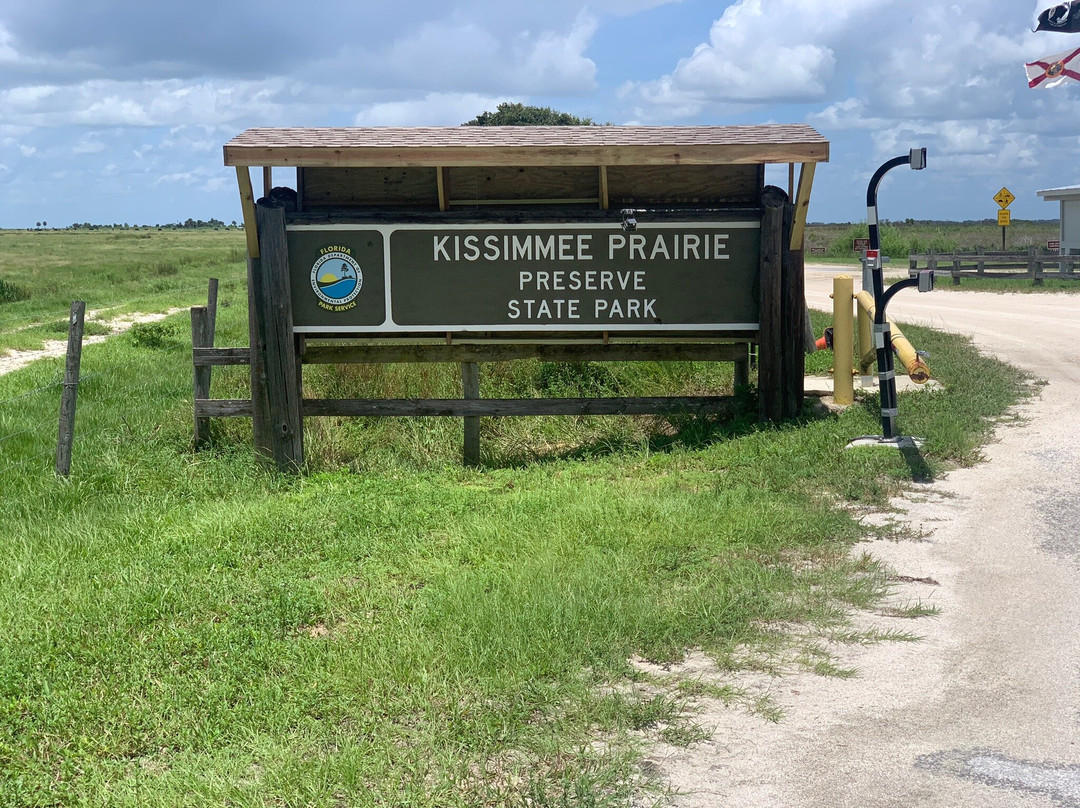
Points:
[(336, 278)]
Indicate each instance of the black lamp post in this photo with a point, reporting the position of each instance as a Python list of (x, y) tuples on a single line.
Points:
[(925, 282)]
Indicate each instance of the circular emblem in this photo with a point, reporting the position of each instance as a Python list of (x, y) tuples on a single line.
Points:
[(1058, 15), (336, 278), (1055, 70)]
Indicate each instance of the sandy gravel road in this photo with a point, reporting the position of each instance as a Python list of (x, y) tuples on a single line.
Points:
[(985, 711)]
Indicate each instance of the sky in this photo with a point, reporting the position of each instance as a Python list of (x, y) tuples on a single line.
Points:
[(117, 110)]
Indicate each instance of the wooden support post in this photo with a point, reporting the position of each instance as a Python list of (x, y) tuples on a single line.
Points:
[(71, 388), (268, 180), (956, 271), (770, 317), (260, 405), (980, 262), (605, 199), (273, 303), (742, 370), (247, 206), (1036, 266), (470, 382), (443, 187), (202, 336), (793, 312)]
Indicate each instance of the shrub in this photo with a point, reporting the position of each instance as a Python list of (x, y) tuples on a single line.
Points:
[(10, 293)]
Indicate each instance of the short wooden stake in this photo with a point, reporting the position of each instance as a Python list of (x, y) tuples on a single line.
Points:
[(71, 388), (470, 383)]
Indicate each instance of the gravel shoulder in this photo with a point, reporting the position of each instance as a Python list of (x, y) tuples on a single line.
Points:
[(984, 710)]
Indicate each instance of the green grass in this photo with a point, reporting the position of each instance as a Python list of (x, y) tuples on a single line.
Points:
[(1003, 285), (181, 628), (114, 271), (900, 239)]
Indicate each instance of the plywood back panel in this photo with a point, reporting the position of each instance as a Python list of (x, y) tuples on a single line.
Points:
[(523, 182), (685, 185), (368, 187)]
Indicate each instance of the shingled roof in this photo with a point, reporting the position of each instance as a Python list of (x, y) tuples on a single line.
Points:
[(526, 145)]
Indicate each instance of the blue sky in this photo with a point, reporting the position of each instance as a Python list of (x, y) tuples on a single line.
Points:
[(116, 111)]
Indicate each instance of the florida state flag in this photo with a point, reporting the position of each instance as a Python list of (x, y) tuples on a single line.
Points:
[(1064, 17), (1053, 71)]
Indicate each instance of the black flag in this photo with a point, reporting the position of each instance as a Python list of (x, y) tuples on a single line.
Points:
[(1064, 17)]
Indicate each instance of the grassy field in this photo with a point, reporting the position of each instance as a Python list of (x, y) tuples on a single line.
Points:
[(115, 271), (900, 239), (181, 628)]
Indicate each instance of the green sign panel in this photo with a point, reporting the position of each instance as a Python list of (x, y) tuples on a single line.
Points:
[(565, 277)]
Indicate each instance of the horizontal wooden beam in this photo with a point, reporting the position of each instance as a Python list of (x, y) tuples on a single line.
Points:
[(509, 407), (457, 408), (223, 408), (615, 352), (388, 354), (578, 155), (215, 357)]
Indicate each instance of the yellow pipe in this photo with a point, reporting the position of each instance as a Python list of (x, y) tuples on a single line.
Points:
[(867, 354), (843, 339), (912, 362)]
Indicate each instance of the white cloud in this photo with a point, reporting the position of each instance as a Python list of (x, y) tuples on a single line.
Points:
[(7, 45), (760, 51), (148, 103), (433, 109), (468, 55)]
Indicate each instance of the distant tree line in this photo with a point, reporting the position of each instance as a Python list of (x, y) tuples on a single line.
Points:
[(187, 224)]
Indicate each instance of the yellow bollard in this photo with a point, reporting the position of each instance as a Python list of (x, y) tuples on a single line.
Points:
[(916, 368), (843, 340)]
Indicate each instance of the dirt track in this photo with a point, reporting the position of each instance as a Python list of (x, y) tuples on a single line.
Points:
[(984, 711)]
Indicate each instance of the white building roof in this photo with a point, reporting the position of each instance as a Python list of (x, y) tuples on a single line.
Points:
[(1056, 194)]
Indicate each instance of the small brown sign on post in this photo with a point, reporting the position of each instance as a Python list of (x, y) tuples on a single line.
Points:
[(860, 244), (1053, 244)]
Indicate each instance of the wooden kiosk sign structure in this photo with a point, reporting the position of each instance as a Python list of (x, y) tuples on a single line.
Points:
[(484, 244)]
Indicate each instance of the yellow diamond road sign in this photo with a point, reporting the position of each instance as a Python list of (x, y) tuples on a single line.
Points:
[(1004, 197)]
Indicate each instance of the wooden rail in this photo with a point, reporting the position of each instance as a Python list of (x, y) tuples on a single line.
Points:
[(1034, 264)]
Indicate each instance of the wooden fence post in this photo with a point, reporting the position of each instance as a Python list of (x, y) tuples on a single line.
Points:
[(1033, 268), (770, 317), (201, 337), (273, 304), (71, 388), (980, 262), (955, 271), (470, 383)]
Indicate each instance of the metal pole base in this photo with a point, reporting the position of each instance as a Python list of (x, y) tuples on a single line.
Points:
[(899, 442)]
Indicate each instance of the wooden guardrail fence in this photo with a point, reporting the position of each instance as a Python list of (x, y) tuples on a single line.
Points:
[(1035, 264)]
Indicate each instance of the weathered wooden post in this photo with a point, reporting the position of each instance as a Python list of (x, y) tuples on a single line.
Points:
[(470, 383), (277, 345), (793, 314), (71, 389), (201, 337), (770, 337)]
